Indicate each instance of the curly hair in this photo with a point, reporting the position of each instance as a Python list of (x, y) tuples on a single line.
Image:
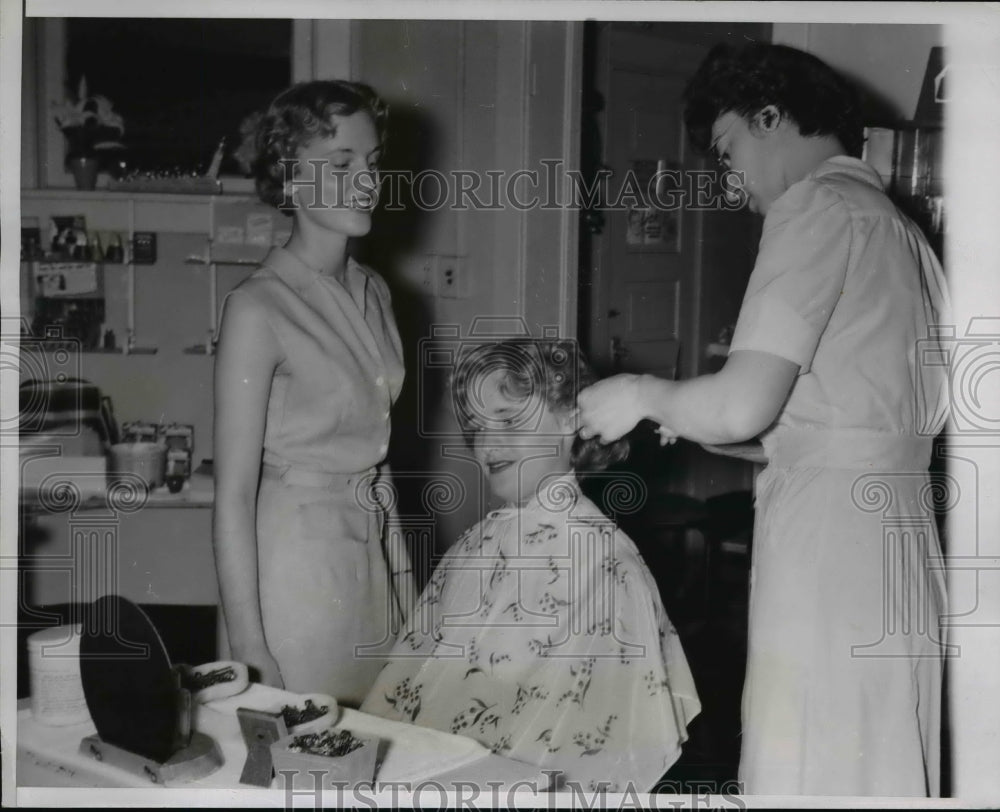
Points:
[(556, 369), (298, 115), (745, 80)]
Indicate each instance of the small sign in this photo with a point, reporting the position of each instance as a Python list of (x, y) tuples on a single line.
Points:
[(54, 280), (653, 225), (243, 231)]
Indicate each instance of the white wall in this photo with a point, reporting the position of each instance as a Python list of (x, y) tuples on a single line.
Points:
[(462, 97), (886, 60), (469, 96)]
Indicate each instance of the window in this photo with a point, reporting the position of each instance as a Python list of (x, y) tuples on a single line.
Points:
[(180, 85)]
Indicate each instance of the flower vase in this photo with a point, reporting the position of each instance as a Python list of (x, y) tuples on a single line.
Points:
[(84, 170)]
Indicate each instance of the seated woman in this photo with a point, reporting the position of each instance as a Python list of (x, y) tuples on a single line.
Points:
[(541, 633)]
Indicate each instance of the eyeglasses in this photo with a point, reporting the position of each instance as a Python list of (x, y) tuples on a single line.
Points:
[(713, 150)]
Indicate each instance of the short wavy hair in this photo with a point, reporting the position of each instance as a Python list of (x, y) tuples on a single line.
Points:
[(556, 369), (747, 79), (297, 116)]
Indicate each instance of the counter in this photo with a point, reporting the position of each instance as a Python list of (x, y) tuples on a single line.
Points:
[(198, 492), (49, 757)]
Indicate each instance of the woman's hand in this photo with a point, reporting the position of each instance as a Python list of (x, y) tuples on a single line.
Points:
[(730, 406), (610, 408), (667, 435)]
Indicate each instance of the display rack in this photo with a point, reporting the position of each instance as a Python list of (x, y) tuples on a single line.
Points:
[(909, 157), (161, 213)]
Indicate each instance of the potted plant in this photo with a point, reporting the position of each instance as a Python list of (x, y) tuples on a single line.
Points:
[(92, 129)]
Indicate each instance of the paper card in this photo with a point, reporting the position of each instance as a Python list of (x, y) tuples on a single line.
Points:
[(66, 279)]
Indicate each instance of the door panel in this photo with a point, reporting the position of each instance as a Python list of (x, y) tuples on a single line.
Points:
[(649, 264), (656, 308), (652, 312)]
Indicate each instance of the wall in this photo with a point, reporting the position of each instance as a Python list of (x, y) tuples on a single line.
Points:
[(164, 555), (886, 61), (462, 95)]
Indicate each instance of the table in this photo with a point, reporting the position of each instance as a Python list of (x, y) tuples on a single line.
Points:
[(198, 492), (156, 551), (47, 756)]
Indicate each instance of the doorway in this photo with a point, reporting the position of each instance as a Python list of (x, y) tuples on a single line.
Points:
[(658, 290)]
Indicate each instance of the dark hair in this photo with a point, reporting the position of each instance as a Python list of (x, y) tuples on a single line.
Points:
[(298, 115), (554, 368), (745, 80)]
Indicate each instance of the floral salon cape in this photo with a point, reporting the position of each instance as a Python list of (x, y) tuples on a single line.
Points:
[(541, 634)]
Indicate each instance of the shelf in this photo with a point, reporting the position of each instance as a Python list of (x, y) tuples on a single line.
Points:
[(185, 186), (161, 212), (109, 195), (198, 492), (33, 344), (246, 263), (238, 230), (62, 346)]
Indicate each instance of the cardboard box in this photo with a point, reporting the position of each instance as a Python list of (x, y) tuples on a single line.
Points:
[(337, 772)]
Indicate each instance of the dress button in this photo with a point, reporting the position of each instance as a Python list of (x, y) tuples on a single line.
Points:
[(380, 381)]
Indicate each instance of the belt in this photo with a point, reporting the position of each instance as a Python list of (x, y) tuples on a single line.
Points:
[(290, 475), (848, 449)]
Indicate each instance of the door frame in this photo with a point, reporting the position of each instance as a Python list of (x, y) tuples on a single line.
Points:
[(550, 267)]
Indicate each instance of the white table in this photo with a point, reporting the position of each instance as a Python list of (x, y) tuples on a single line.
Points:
[(48, 756)]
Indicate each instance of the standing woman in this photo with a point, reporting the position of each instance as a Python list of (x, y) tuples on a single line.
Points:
[(843, 685), (308, 367)]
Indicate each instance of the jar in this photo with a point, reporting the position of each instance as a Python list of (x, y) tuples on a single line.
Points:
[(57, 696)]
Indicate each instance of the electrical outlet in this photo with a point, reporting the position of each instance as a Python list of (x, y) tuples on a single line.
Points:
[(439, 275), (450, 278), (418, 274)]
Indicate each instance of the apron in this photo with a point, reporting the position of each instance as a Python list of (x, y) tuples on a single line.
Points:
[(845, 654)]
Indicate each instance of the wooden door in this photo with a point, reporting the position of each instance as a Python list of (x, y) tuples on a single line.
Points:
[(643, 314), (655, 306), (649, 259)]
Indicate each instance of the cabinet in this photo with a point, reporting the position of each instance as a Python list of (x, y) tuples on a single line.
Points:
[(217, 230), (909, 157)]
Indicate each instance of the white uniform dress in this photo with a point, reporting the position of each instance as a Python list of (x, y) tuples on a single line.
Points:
[(845, 653), (541, 635)]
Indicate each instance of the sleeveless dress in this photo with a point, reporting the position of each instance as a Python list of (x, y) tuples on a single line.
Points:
[(333, 588), (541, 634), (845, 650)]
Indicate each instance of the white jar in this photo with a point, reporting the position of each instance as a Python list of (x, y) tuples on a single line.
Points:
[(57, 696)]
